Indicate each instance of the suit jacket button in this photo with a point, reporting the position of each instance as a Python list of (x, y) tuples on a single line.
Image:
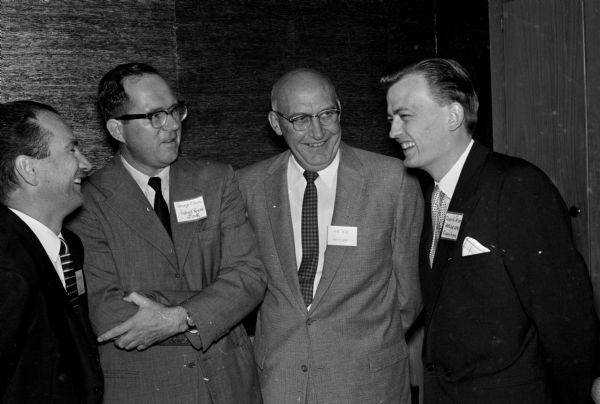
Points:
[(430, 366), (310, 321), (190, 365), (177, 276), (304, 368)]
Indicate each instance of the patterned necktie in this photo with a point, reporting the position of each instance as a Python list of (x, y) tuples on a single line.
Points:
[(310, 238), (439, 207), (68, 267), (160, 205)]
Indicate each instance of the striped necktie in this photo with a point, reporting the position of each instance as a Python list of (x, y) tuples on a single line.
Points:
[(68, 267)]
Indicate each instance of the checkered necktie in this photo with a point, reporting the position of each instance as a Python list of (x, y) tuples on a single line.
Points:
[(160, 205), (439, 207), (68, 267), (310, 238)]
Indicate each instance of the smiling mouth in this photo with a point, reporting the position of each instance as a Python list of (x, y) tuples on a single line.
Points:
[(407, 145), (318, 144)]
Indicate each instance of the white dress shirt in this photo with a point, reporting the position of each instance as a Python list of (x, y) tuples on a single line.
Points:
[(448, 182), (142, 180), (326, 185)]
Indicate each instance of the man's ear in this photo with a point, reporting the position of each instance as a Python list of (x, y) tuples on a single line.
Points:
[(115, 128), (27, 170), (456, 116), (274, 121)]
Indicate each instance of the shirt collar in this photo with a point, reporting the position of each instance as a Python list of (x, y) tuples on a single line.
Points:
[(49, 240), (142, 179), (448, 183), (327, 175)]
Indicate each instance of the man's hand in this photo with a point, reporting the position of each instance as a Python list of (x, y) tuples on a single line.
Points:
[(152, 323)]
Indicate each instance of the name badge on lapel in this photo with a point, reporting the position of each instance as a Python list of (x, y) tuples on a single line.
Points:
[(190, 210), (451, 226), (342, 235)]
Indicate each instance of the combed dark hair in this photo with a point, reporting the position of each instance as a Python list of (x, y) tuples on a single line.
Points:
[(112, 99), (448, 82), (20, 134)]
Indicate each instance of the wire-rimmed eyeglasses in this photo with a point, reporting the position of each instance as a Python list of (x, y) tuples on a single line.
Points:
[(303, 121)]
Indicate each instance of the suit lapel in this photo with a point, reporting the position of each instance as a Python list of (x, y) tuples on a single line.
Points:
[(129, 203), (44, 267), (466, 196), (348, 195), (465, 199), (280, 218)]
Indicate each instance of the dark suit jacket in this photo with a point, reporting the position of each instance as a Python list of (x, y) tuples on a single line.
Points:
[(515, 325), (48, 352), (210, 266), (349, 347)]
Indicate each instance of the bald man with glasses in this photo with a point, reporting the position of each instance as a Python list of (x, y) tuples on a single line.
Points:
[(171, 259), (338, 229)]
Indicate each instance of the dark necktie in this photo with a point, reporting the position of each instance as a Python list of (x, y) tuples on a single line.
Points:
[(68, 268), (160, 206), (310, 238)]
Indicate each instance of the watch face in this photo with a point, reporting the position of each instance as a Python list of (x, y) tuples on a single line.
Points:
[(189, 321)]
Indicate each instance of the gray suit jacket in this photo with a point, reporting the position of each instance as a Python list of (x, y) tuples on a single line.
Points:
[(211, 267), (350, 346)]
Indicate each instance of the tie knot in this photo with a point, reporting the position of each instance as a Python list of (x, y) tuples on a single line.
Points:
[(155, 183), (64, 248), (438, 195), (310, 176)]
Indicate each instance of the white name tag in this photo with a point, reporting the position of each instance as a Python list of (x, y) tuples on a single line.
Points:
[(80, 284), (190, 210), (451, 226), (342, 235)]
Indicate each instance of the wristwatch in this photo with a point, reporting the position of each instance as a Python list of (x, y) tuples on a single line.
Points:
[(190, 323), (189, 320)]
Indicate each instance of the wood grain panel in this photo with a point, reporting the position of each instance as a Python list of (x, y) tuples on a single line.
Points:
[(592, 81), (545, 96)]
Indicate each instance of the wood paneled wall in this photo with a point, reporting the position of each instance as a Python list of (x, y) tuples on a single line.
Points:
[(223, 57)]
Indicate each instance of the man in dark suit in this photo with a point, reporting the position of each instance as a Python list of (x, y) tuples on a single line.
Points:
[(339, 301), (182, 252), (509, 314), (48, 352)]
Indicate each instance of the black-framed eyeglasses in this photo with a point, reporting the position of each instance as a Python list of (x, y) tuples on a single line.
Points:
[(159, 118), (303, 121)]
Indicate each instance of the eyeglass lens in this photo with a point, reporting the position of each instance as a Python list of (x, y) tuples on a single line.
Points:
[(159, 118), (326, 117)]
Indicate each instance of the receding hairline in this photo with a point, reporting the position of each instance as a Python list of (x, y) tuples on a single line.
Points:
[(294, 74), (42, 117)]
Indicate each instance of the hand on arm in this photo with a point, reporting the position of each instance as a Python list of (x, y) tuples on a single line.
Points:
[(152, 323)]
